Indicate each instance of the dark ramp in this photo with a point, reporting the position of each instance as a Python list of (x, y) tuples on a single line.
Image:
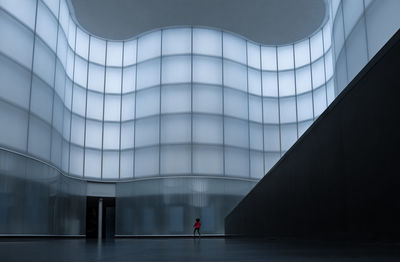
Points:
[(342, 177)]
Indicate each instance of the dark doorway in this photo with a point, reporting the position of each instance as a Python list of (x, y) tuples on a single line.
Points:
[(92, 217)]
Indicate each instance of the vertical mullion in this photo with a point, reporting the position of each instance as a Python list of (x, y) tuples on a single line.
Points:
[(262, 111), (134, 114), (311, 75), (87, 91), (191, 102), (223, 104), (366, 31), (159, 115), (104, 99), (248, 105), (279, 105), (120, 111), (326, 89), (295, 92)]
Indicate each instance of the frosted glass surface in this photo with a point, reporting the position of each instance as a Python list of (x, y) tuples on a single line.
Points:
[(65, 156), (288, 110), (126, 168), (96, 78), (62, 48), (94, 105), (111, 136), (94, 134), (114, 53), (79, 100), (234, 48), (207, 70), (58, 116), (254, 80), (207, 42), (317, 48), (236, 132), (253, 55), (146, 162), (255, 108), (24, 10), (71, 33), (82, 43), (176, 41), (147, 131), (148, 102), (270, 84), (175, 160), (149, 46), (175, 99), (113, 80), (303, 79), (207, 99), (176, 69), (207, 129), (175, 129), (303, 126), (302, 53), (14, 134), (304, 107), (46, 26), (110, 165), (318, 73), (129, 79), (338, 34), (328, 65), (288, 136), (130, 52), (128, 107), (207, 160), (43, 64), (341, 72), (286, 83), (271, 114), (76, 161), (256, 136), (352, 10), (64, 16), (92, 163), (68, 94), (60, 80), (235, 103), (327, 36), (356, 46), (39, 138), (236, 162), (127, 134), (56, 149), (268, 58), (256, 165), (330, 91), (80, 72), (97, 50), (319, 100), (148, 74), (70, 63), (285, 57), (112, 104), (235, 75), (77, 130), (67, 124), (53, 5), (271, 138)]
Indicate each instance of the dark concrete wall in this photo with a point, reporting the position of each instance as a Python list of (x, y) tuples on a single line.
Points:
[(342, 177)]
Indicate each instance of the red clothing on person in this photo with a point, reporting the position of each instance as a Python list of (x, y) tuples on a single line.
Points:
[(197, 225)]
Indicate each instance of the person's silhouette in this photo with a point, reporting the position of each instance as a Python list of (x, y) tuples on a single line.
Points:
[(196, 226)]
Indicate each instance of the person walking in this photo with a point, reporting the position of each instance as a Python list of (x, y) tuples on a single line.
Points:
[(196, 226)]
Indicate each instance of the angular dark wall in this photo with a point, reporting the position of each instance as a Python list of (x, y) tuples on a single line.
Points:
[(342, 177)]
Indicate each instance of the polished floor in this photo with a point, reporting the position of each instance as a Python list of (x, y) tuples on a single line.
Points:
[(186, 249)]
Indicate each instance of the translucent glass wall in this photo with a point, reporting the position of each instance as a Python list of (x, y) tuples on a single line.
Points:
[(360, 29), (175, 101)]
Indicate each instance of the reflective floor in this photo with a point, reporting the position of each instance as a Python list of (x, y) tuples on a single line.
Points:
[(186, 249)]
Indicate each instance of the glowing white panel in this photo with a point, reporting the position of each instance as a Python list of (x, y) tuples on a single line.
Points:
[(92, 163), (53, 5), (236, 132), (94, 105), (176, 41), (149, 46), (208, 160), (270, 84), (79, 100), (304, 107), (271, 138), (112, 107), (62, 48), (148, 74), (94, 134), (14, 134), (207, 129), (70, 63), (256, 165), (46, 26), (80, 72), (110, 165), (58, 116), (303, 126), (175, 129), (338, 34), (43, 64), (288, 109), (253, 55), (254, 80), (148, 102), (327, 36), (302, 53), (76, 161), (236, 162), (288, 136), (71, 33), (234, 48), (352, 11), (175, 99), (96, 78), (319, 101), (15, 82), (111, 136), (127, 134), (23, 10), (330, 91), (285, 57), (207, 42), (126, 166), (114, 53), (39, 138), (303, 79), (77, 130), (356, 45), (64, 16), (147, 131), (82, 43), (286, 83), (176, 69), (207, 99), (256, 136), (335, 6), (207, 70), (268, 58), (271, 114), (113, 80), (255, 108), (128, 107), (60, 81), (318, 73), (235, 75), (175, 160), (328, 65), (146, 162), (129, 79), (97, 50), (68, 94), (130, 52), (235, 103), (316, 44)]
